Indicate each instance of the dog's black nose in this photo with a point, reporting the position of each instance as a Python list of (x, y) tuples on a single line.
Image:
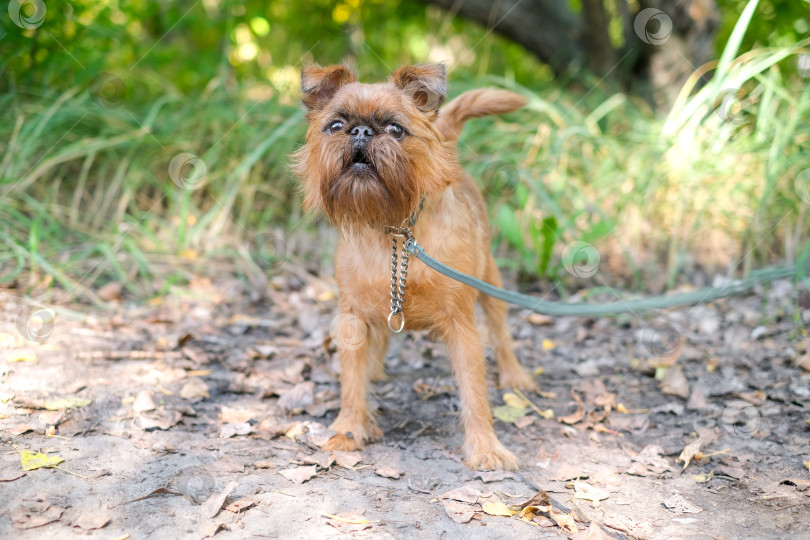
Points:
[(361, 132)]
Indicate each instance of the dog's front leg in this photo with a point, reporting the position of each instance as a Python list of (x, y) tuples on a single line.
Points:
[(482, 449), (355, 423)]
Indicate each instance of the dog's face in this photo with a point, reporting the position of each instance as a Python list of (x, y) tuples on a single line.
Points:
[(371, 152)]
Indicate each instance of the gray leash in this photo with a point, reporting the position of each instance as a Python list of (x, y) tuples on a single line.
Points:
[(560, 309)]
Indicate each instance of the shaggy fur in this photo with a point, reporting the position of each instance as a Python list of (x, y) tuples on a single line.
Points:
[(356, 169)]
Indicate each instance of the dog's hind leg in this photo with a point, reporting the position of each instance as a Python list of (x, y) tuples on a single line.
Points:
[(510, 373)]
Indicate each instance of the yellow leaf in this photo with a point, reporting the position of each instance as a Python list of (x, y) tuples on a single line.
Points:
[(621, 408), (703, 478), (548, 345), (505, 413), (538, 371), (188, 254), (34, 460), (22, 356), (497, 509), (564, 521), (60, 403), (548, 414), (514, 400), (807, 464)]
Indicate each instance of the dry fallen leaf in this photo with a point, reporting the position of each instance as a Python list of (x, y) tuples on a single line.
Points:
[(299, 475), (459, 512), (144, 402), (538, 319), (210, 508), (388, 472), (689, 452), (674, 382), (585, 491), (564, 521), (495, 476), (677, 503), (300, 396), (348, 460), (162, 420), (195, 390), (18, 429), (594, 532), (35, 513), (498, 509), (10, 474), (241, 505), (577, 415), (90, 521), (111, 291), (230, 415), (467, 494), (230, 430)]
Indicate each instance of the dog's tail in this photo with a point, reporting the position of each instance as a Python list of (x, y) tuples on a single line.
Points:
[(472, 104)]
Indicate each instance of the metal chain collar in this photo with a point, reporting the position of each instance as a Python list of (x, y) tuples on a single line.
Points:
[(398, 282)]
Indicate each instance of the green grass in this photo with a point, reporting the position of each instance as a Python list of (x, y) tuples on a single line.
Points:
[(86, 196), (710, 186)]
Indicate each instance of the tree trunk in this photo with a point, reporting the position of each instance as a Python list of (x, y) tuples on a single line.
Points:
[(663, 42)]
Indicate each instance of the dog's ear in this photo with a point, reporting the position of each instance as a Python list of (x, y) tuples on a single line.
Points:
[(319, 84), (425, 84)]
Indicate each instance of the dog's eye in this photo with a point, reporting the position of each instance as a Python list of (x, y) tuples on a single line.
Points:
[(336, 125), (395, 130)]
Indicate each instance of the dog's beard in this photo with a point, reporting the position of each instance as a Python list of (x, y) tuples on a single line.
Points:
[(371, 189)]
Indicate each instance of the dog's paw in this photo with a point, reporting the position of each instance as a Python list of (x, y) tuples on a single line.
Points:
[(517, 378), (491, 457), (351, 435), (342, 443)]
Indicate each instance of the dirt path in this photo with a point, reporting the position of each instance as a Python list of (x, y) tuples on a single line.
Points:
[(206, 393)]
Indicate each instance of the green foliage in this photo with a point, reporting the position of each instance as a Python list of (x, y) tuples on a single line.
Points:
[(99, 99), (777, 23)]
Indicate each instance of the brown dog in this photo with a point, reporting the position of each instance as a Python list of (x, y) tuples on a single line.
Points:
[(376, 154)]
